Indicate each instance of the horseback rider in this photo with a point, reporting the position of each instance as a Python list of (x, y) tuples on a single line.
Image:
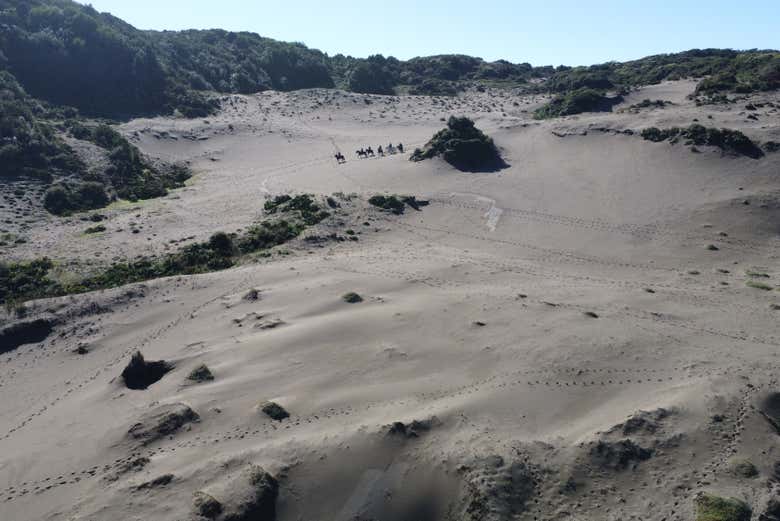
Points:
[(401, 148), (379, 150)]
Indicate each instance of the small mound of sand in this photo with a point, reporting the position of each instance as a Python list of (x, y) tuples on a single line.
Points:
[(493, 490), (247, 496), (413, 429), (161, 422), (643, 422), (140, 374), (618, 455)]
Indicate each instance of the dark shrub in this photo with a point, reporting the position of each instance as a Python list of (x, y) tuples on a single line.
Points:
[(390, 203), (462, 145), (221, 243), (140, 374), (730, 141), (576, 102)]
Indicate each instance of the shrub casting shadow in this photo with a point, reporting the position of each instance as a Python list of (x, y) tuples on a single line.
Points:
[(463, 146)]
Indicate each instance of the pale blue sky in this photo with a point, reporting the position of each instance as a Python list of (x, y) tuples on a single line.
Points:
[(542, 32)]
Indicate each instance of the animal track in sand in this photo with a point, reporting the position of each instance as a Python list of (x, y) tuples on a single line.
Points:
[(531, 380)]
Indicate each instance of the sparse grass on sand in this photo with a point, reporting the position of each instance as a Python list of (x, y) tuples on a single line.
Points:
[(759, 285)]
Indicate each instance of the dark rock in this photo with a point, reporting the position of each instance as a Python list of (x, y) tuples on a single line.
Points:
[(274, 411), (413, 429), (140, 374), (618, 455), (20, 333), (771, 511), (159, 481), (352, 298)]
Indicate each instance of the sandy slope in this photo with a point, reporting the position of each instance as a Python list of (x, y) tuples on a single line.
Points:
[(523, 317)]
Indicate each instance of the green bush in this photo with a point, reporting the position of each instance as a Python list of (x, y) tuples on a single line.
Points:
[(64, 199), (390, 203), (577, 102), (714, 508), (732, 141), (463, 146)]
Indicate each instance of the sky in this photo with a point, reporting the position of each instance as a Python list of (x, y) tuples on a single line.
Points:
[(541, 32)]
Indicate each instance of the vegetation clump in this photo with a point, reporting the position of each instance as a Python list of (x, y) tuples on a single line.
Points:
[(139, 374), (34, 279), (714, 508), (743, 468), (303, 205), (576, 102), (352, 298), (63, 199), (463, 146), (396, 203), (391, 203), (274, 411), (201, 374), (729, 141)]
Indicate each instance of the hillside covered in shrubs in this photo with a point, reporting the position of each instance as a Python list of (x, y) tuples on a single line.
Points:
[(106, 67), (463, 146)]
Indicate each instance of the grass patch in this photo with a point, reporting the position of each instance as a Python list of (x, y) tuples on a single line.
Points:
[(463, 146), (95, 229), (31, 280), (759, 285), (715, 508), (730, 141)]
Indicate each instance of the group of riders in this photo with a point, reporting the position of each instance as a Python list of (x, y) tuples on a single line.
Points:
[(365, 153)]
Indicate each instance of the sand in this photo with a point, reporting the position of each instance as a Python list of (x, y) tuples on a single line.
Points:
[(514, 330)]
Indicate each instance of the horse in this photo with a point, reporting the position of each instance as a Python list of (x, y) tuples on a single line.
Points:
[(401, 148), (361, 153), (390, 149), (370, 151), (379, 151), (340, 158)]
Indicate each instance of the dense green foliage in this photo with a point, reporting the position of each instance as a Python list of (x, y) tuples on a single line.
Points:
[(240, 62), (743, 71), (303, 206), (30, 280), (463, 146), (746, 73), (731, 141), (27, 280), (28, 145), (102, 65), (106, 67), (714, 508), (65, 198), (576, 102)]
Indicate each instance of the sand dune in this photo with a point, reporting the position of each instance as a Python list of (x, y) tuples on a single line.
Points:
[(556, 340)]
